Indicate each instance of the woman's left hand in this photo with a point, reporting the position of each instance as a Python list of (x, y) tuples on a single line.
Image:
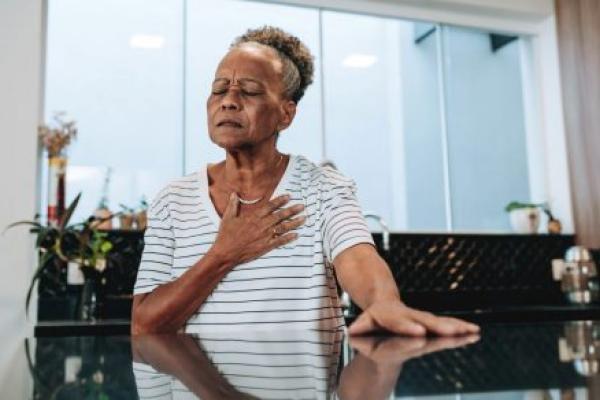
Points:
[(394, 317)]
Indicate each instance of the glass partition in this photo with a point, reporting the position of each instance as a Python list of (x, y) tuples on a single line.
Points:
[(428, 119), (117, 69)]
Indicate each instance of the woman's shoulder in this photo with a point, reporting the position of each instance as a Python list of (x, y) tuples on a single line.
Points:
[(323, 176), (184, 186)]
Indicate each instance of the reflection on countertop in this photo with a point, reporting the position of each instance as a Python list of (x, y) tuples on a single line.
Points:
[(533, 361)]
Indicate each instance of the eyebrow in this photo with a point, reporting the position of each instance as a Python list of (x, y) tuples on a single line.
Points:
[(241, 80)]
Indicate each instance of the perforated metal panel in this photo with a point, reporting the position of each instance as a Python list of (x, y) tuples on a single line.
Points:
[(434, 271), (475, 270)]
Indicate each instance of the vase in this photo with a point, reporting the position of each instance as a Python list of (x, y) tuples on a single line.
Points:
[(88, 305), (126, 221), (57, 168), (141, 220), (103, 219), (525, 220)]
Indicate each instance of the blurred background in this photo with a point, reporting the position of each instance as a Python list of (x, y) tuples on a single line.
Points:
[(420, 114)]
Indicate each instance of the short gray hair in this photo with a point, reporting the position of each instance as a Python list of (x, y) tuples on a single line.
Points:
[(297, 61)]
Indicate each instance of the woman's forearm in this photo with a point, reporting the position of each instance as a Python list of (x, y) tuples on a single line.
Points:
[(364, 379), (365, 276), (373, 282), (169, 306)]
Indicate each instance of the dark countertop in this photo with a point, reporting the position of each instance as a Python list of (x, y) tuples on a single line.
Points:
[(545, 357), (121, 326)]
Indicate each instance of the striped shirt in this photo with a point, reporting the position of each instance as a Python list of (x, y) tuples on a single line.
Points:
[(279, 364), (290, 287)]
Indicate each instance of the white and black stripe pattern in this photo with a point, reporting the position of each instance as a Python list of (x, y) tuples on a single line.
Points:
[(278, 364), (290, 287)]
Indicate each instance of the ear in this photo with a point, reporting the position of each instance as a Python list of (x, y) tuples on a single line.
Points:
[(288, 112)]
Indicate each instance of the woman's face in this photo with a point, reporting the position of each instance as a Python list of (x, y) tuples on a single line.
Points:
[(247, 106)]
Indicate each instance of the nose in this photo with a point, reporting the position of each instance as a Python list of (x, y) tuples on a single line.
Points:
[(231, 101), (229, 106)]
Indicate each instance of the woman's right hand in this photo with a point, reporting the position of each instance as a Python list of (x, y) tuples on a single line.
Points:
[(243, 238)]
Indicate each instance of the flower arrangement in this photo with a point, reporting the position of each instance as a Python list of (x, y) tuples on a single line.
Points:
[(56, 139)]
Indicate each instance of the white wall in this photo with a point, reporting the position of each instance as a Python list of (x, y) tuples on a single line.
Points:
[(20, 79)]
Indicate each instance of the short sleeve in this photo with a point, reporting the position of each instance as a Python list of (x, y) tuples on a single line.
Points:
[(159, 242), (343, 222)]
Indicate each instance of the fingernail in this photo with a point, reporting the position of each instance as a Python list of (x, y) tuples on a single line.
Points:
[(420, 329)]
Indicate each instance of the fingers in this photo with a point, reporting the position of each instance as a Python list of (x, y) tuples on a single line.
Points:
[(281, 240), (401, 325), (363, 324), (283, 235), (274, 204), (284, 214), (405, 326), (444, 326), (291, 224), (232, 207), (399, 319)]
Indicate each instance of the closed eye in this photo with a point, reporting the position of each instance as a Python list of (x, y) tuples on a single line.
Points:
[(248, 93)]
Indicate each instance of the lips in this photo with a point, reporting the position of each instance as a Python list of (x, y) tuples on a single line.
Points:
[(229, 122)]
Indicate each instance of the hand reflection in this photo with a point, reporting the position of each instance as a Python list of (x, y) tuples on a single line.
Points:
[(241, 365), (374, 370)]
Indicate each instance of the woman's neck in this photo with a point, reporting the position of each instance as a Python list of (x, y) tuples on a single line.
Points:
[(252, 172)]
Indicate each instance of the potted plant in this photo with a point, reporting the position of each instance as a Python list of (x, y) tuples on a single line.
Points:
[(524, 217), (77, 244), (126, 217)]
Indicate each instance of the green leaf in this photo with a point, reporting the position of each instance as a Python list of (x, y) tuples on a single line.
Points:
[(69, 212), (106, 247), (43, 263), (515, 205), (41, 236), (14, 224)]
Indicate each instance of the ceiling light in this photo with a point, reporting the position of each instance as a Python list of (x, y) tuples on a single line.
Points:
[(146, 41), (359, 61)]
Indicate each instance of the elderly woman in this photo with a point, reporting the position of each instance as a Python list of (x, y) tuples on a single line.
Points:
[(257, 240)]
